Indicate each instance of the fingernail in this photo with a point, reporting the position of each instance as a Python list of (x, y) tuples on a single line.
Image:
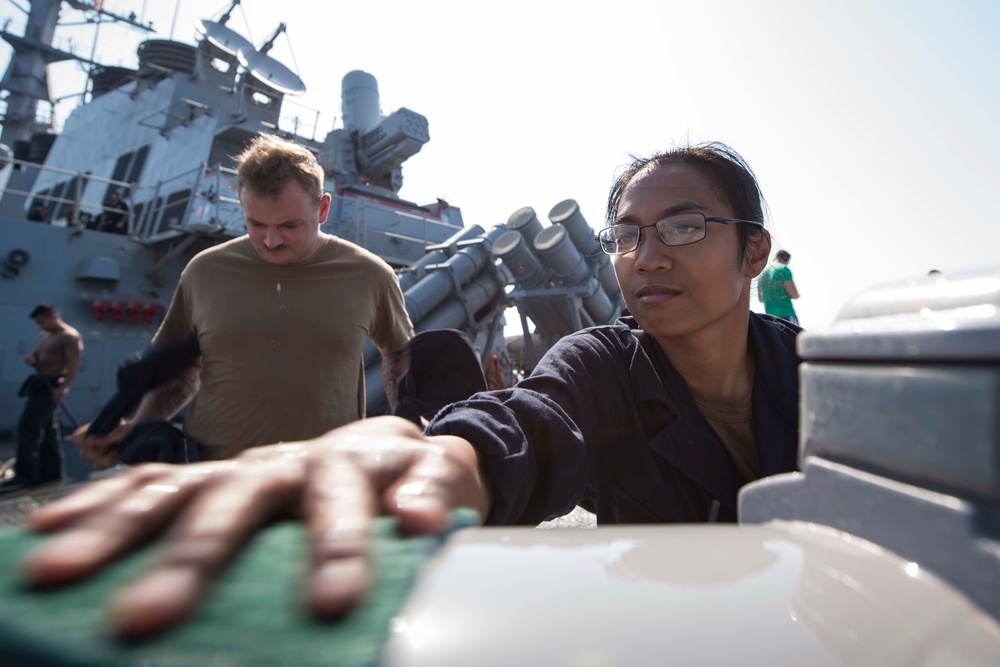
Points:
[(156, 601), (66, 558), (418, 501), (337, 585)]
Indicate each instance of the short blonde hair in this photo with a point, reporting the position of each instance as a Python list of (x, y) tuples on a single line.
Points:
[(269, 162)]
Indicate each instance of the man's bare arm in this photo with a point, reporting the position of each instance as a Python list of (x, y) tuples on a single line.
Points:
[(32, 358), (171, 397), (73, 357), (163, 402), (790, 288)]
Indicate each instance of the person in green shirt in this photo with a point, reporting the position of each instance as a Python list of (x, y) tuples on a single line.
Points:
[(776, 289)]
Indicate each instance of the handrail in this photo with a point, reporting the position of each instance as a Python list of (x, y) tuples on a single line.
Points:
[(201, 182), (76, 202)]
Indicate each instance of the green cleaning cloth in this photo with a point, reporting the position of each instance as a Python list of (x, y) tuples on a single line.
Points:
[(254, 614)]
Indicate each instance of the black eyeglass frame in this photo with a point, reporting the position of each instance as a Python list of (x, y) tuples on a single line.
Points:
[(639, 228)]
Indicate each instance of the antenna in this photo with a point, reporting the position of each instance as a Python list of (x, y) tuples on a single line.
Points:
[(271, 73), (268, 70), (218, 34), (225, 38), (96, 7)]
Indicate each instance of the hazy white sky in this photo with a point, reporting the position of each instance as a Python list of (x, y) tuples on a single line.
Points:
[(872, 125)]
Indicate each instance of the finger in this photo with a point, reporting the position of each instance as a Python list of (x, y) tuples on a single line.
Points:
[(60, 513), (210, 531), (116, 528), (339, 506), (88, 447), (108, 439), (422, 498), (155, 602), (444, 477), (120, 432), (98, 449), (106, 460), (79, 435), (97, 457)]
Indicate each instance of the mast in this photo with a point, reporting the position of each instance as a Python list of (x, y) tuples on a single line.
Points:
[(26, 78)]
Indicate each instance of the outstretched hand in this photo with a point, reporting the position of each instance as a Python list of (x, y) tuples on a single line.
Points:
[(337, 483), (101, 450)]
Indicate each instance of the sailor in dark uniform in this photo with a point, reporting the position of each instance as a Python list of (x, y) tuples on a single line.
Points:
[(114, 218)]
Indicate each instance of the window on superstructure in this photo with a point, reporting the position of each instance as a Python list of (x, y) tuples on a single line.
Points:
[(118, 175), (138, 162), (42, 197), (128, 168), (262, 100), (56, 206), (73, 192), (137, 212)]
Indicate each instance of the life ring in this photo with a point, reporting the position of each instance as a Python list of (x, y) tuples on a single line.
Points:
[(18, 257)]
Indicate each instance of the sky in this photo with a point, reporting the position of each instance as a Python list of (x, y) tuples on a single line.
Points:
[(871, 125)]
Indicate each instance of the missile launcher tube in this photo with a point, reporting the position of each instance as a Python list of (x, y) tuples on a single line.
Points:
[(453, 314), (525, 221), (514, 252), (606, 276), (567, 213), (563, 281), (556, 250), (443, 297), (597, 305), (516, 255), (571, 269), (440, 283), (436, 255)]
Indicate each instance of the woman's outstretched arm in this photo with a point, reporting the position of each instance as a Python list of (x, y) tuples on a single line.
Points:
[(336, 483)]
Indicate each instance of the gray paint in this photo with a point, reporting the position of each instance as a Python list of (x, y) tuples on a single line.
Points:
[(900, 442), (190, 122), (936, 424)]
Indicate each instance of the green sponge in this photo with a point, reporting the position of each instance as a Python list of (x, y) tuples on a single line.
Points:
[(254, 614)]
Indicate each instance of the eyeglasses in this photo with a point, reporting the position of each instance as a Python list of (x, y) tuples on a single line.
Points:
[(681, 229)]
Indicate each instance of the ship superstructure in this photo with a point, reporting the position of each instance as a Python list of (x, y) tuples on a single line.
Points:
[(163, 135)]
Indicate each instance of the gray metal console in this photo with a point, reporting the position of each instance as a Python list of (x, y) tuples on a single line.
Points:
[(900, 429)]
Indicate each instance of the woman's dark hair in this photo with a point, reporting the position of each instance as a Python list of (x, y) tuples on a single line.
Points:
[(734, 181)]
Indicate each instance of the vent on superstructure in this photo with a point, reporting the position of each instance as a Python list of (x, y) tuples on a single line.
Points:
[(22, 150), (41, 143), (158, 57), (107, 78)]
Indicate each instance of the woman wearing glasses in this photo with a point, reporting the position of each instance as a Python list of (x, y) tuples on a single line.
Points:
[(661, 417)]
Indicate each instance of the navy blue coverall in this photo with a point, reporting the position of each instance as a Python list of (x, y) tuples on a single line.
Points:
[(605, 422)]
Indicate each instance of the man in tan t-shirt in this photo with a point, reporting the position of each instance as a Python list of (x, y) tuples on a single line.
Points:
[(281, 316), (56, 360)]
